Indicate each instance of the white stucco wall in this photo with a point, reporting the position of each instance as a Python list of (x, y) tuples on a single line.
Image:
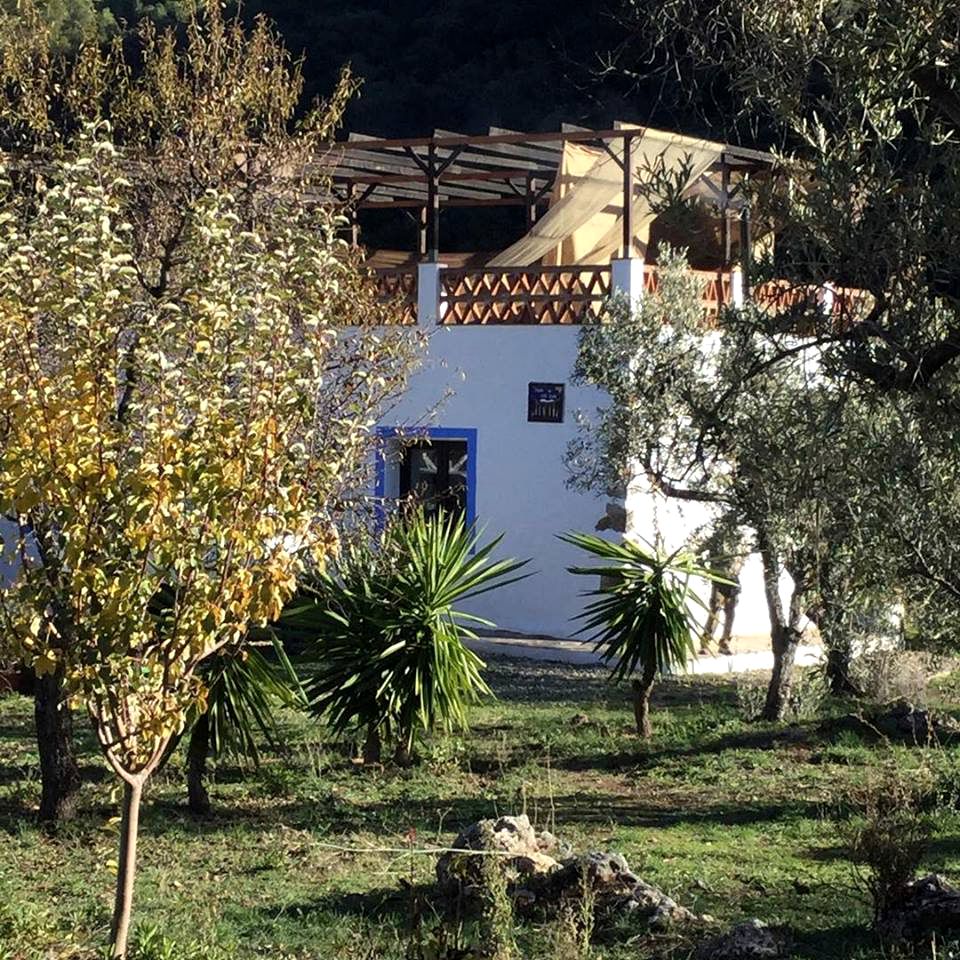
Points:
[(483, 373), (477, 377), (674, 522), (520, 478)]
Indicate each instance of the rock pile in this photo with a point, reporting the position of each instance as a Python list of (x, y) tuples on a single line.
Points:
[(752, 940), (521, 851), (903, 721), (928, 908), (543, 874)]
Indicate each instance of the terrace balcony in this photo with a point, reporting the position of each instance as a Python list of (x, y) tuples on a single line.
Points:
[(433, 294), (590, 228)]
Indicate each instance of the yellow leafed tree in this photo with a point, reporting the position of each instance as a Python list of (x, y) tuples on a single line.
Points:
[(191, 361)]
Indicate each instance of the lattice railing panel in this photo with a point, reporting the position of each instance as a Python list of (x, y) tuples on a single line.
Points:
[(399, 286), (546, 295), (781, 296), (715, 288)]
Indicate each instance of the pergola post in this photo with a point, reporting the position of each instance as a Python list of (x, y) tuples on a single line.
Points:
[(433, 205), (422, 242), (530, 203), (429, 307), (626, 272), (725, 211), (627, 240), (746, 248)]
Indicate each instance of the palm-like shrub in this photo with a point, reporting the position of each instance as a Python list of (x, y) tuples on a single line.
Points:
[(244, 687), (386, 633), (641, 620)]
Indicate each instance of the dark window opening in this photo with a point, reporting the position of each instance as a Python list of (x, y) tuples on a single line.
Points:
[(434, 474)]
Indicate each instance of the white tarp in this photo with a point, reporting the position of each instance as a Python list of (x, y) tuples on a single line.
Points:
[(585, 221)]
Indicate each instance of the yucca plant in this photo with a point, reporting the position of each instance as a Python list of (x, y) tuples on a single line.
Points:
[(387, 635), (641, 620), (244, 687)]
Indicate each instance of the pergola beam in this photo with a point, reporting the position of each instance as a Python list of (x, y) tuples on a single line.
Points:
[(502, 168)]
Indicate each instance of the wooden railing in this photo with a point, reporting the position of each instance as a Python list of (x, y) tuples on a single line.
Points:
[(577, 294), (400, 287), (841, 303), (716, 290), (542, 295)]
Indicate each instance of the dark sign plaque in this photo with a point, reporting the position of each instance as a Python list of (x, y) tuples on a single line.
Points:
[(545, 403)]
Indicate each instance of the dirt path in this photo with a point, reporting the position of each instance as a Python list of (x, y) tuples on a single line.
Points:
[(577, 652)]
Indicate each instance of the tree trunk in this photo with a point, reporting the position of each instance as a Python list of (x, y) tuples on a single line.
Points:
[(641, 701), (198, 800), (839, 660), (710, 626), (785, 642), (126, 867), (372, 746), (403, 754), (835, 633), (59, 774), (784, 635)]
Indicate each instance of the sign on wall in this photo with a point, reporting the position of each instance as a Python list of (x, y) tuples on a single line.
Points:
[(545, 403)]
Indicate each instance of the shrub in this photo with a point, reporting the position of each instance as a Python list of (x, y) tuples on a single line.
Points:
[(641, 620), (882, 676), (386, 635), (887, 828), (808, 690)]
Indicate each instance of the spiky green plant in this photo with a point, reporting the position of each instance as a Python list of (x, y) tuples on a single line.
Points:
[(244, 687), (641, 620), (387, 635)]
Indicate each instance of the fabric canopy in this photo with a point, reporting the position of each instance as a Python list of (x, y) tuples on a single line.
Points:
[(585, 221)]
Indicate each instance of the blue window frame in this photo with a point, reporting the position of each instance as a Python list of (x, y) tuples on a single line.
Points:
[(467, 434)]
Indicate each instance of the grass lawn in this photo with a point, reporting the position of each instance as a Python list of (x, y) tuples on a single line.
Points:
[(307, 856)]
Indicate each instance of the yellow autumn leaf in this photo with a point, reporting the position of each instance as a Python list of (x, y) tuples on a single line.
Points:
[(45, 664)]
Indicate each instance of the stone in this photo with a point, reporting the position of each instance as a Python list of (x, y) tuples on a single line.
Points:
[(751, 940), (659, 910), (607, 875), (526, 852), (903, 721), (544, 876), (928, 907), (615, 888)]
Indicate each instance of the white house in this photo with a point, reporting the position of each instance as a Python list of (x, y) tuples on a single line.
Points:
[(484, 425)]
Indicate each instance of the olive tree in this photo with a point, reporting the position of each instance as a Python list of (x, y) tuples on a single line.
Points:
[(739, 417), (861, 105), (860, 100)]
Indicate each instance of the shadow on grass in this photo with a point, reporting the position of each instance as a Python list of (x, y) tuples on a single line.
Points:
[(14, 773), (939, 851), (332, 819), (844, 940), (644, 755), (547, 681), (399, 905), (394, 904)]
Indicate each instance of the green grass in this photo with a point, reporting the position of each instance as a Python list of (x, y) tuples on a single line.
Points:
[(730, 818)]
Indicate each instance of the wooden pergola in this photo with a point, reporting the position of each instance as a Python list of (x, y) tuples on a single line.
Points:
[(500, 168)]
